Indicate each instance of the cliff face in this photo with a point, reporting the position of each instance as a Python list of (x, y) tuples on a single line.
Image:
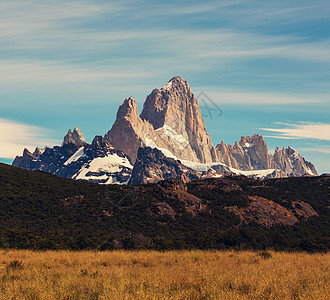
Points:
[(292, 163), (171, 119), (175, 115), (128, 132), (251, 153)]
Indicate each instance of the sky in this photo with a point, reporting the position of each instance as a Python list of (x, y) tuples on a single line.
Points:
[(265, 65)]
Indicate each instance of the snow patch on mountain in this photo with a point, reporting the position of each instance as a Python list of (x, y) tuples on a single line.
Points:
[(103, 168), (174, 135), (167, 86), (80, 152), (254, 173), (200, 166), (150, 143)]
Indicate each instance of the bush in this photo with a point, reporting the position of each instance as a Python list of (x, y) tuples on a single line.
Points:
[(265, 254), (15, 265)]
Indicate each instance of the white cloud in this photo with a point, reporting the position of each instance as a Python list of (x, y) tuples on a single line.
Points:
[(325, 149), (14, 137), (47, 71), (303, 130)]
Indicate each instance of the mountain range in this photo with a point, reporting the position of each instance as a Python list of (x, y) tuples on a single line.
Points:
[(167, 140)]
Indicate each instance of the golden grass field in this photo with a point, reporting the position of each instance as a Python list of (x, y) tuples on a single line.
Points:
[(162, 275)]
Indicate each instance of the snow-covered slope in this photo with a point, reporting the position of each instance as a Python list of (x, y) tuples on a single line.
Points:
[(213, 170), (108, 169), (98, 162)]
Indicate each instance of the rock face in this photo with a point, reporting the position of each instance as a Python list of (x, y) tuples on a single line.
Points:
[(292, 163), (175, 115), (171, 119), (129, 132), (251, 153), (265, 212), (152, 166), (98, 162), (177, 190), (269, 213)]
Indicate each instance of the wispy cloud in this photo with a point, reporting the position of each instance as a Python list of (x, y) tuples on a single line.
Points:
[(83, 41), (325, 149), (303, 130), (49, 71), (262, 98), (14, 137)]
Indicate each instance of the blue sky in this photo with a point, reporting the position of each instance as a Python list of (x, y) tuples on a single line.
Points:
[(266, 64)]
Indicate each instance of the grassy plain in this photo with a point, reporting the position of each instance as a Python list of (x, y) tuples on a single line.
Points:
[(163, 275)]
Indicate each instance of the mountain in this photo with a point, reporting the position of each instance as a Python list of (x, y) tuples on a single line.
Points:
[(251, 153), (98, 162), (171, 121), (42, 211)]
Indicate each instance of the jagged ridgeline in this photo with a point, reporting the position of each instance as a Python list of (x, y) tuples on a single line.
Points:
[(42, 211), (172, 126)]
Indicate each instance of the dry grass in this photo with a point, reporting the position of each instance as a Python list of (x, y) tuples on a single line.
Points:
[(162, 275)]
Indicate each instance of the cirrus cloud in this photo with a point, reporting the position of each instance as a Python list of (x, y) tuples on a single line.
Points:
[(14, 137), (302, 130)]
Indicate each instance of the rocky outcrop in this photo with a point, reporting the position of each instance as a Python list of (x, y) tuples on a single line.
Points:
[(269, 213), (176, 190), (152, 166), (76, 137), (265, 212), (303, 209)]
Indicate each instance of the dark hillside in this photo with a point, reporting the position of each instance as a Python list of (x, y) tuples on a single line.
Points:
[(43, 211)]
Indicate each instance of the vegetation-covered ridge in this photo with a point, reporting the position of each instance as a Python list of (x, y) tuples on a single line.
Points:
[(42, 211)]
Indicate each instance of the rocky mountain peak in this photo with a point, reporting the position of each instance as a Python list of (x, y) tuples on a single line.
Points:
[(127, 133), (128, 109), (171, 119), (164, 104), (177, 84), (100, 142), (27, 153), (249, 141), (38, 151), (76, 137), (174, 111)]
